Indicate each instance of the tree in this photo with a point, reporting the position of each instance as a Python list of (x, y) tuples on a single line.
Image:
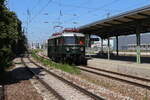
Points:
[(12, 38)]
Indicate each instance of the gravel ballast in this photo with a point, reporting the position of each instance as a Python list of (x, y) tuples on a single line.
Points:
[(46, 94), (68, 92), (134, 92), (98, 90), (18, 85), (110, 88)]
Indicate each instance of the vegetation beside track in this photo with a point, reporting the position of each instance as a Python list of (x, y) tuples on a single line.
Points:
[(12, 38), (64, 67)]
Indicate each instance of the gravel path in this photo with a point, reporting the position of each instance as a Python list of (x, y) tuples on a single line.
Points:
[(68, 92), (18, 85)]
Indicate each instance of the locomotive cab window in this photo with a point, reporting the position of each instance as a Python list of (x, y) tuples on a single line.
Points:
[(69, 40), (74, 40)]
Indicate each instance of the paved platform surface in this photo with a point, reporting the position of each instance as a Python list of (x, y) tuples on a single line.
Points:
[(126, 67)]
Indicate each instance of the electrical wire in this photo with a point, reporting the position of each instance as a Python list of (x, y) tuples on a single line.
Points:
[(91, 9), (104, 6), (72, 6), (41, 10), (34, 7)]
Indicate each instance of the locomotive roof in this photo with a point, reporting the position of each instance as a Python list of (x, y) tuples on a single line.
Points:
[(67, 34)]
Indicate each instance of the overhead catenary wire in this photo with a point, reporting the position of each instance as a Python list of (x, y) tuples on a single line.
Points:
[(62, 4), (72, 6), (83, 7), (34, 7), (31, 18), (62, 14), (89, 8), (66, 5), (104, 6), (41, 10)]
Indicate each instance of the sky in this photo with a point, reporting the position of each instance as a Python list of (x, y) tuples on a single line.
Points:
[(41, 18)]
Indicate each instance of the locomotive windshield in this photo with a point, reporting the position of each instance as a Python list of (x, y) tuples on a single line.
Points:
[(69, 40), (74, 40)]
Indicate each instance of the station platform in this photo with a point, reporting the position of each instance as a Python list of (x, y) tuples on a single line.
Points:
[(122, 64), (144, 54)]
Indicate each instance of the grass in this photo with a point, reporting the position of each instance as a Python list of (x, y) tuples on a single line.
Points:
[(64, 67)]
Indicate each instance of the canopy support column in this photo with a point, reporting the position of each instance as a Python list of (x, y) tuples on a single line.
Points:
[(138, 42), (108, 48), (102, 45), (87, 40), (117, 51)]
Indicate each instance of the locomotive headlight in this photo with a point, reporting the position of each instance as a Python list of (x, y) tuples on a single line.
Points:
[(82, 49), (67, 49)]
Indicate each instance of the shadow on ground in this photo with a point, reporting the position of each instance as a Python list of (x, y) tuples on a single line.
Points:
[(17, 75), (122, 58)]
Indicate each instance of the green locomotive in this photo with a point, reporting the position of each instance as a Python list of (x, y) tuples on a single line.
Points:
[(67, 47)]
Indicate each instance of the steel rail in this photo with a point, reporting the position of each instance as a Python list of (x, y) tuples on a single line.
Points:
[(116, 73), (43, 82), (95, 97), (119, 79)]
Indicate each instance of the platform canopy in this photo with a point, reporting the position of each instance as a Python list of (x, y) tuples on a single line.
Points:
[(123, 24)]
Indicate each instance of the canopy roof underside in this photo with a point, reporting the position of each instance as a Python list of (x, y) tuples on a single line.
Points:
[(123, 24)]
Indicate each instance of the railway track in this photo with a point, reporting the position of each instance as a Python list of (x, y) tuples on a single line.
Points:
[(138, 81), (133, 80), (56, 94), (82, 90)]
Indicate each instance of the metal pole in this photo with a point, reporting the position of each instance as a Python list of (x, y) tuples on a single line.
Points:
[(87, 40), (108, 47), (117, 45), (102, 45), (138, 40)]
